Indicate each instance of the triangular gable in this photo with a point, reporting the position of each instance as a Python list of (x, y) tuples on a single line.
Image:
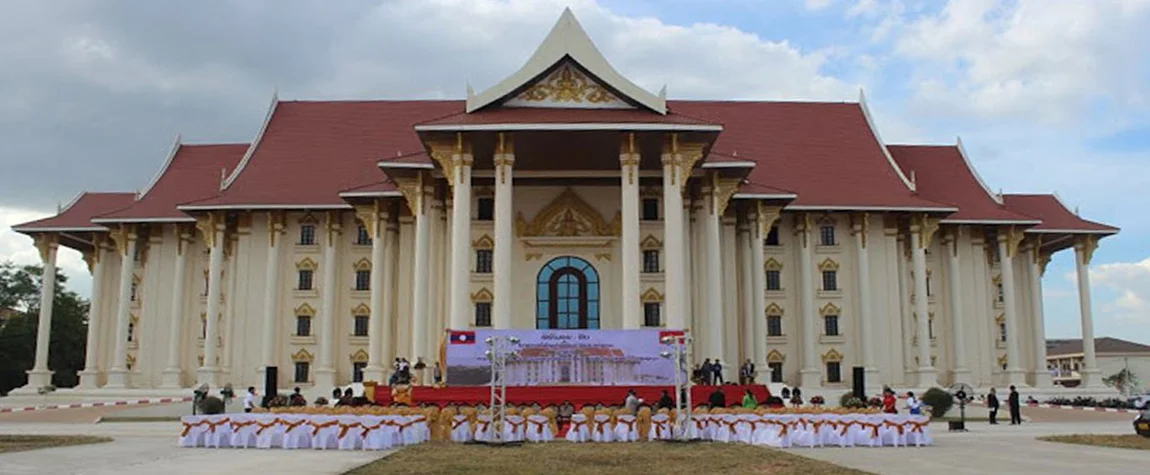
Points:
[(567, 70)]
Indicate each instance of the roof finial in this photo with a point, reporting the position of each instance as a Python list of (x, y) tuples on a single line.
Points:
[(913, 178), (470, 90), (59, 207), (398, 152), (734, 153), (663, 93), (223, 177)]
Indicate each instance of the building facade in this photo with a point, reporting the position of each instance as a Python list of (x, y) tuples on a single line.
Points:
[(1066, 360), (349, 233)]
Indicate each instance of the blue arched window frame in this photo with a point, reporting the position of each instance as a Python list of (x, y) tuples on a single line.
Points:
[(567, 295)]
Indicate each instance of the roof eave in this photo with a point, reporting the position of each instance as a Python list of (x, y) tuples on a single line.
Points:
[(371, 194), (169, 219), (261, 206), (904, 209), (637, 127), (1016, 222)]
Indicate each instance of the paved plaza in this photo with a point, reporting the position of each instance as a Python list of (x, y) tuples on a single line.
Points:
[(150, 448)]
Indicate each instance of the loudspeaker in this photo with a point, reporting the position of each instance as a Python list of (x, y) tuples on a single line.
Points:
[(859, 383), (271, 385)]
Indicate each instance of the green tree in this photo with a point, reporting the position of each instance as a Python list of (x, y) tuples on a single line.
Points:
[(1122, 381), (20, 290)]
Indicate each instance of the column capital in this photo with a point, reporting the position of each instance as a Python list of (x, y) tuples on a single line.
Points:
[(414, 192), (123, 235), (452, 155), (92, 256), (721, 190), (1012, 236), (926, 227), (209, 224), (46, 243), (629, 157), (860, 224), (681, 157), (332, 227), (373, 215), (275, 226), (1086, 245)]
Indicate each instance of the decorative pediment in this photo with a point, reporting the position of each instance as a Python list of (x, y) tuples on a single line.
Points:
[(1000, 319), (567, 216), (651, 295), (832, 355), (828, 264), (1003, 360), (484, 242), (308, 218), (567, 86), (772, 264), (775, 357), (650, 242), (359, 356), (306, 264), (774, 309), (363, 264), (482, 295), (304, 310), (302, 356), (361, 309), (830, 309)]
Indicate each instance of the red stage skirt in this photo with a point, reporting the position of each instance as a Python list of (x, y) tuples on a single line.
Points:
[(556, 395)]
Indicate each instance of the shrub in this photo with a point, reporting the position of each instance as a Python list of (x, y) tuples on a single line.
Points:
[(212, 405), (939, 401), (849, 401), (875, 402)]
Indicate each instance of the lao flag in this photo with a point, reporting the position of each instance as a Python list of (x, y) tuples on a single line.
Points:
[(462, 338), (671, 333)]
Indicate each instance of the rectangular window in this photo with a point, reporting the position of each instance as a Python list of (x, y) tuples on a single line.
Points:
[(830, 280), (362, 237), (483, 314), (131, 332), (302, 368), (362, 280), (651, 261), (773, 236), (776, 371), (827, 236), (357, 371), (483, 261), (361, 325), (834, 372), (1002, 332), (135, 288), (774, 280), (650, 209), (485, 209), (930, 328), (303, 325), (831, 325), (1000, 293), (307, 235), (651, 314), (305, 279), (928, 293), (774, 325)]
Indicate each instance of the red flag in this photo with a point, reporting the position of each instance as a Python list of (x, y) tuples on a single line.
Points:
[(672, 333)]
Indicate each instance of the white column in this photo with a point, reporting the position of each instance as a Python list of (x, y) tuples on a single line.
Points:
[(90, 376), (272, 284), (212, 230), (460, 273), (173, 372), (676, 271), (126, 244), (1042, 378), (746, 290), (325, 370), (764, 218), (810, 375), (1083, 252), (860, 228), (1007, 250), (919, 240), (504, 235), (714, 318), (960, 371), (631, 258), (387, 325), (40, 376), (903, 302), (419, 307), (376, 363)]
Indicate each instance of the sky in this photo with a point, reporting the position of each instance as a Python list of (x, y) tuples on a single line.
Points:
[(1047, 95)]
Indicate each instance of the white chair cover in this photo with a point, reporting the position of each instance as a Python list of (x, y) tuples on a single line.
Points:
[(580, 429), (625, 430), (539, 429), (660, 428), (461, 429), (601, 429)]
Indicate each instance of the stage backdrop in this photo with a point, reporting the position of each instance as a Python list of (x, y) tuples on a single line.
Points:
[(564, 357)]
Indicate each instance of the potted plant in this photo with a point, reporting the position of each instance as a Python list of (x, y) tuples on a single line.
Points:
[(818, 401)]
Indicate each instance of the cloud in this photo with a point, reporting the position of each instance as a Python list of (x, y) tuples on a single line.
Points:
[(817, 4), (18, 249), (1130, 282)]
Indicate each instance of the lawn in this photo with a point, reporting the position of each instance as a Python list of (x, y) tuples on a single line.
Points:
[(1131, 441), (20, 443), (595, 459)]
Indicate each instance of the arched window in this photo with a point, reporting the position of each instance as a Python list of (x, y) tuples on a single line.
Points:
[(567, 295)]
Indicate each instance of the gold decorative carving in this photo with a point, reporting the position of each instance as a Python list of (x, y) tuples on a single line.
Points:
[(927, 227), (722, 189), (1013, 237), (360, 356), (208, 224), (860, 223), (650, 242), (369, 215), (121, 236), (532, 256), (414, 193), (362, 264), (767, 216), (46, 243), (774, 310), (275, 226), (603, 256), (772, 264), (651, 295), (776, 357), (567, 216), (91, 257), (361, 310), (629, 158), (302, 356), (304, 310), (832, 355), (484, 242), (830, 309), (482, 295), (306, 264), (332, 227), (567, 85), (1087, 244)]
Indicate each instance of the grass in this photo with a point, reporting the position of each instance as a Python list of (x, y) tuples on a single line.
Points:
[(20, 443), (1131, 441), (562, 458)]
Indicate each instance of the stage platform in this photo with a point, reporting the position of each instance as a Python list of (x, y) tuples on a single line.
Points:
[(556, 395)]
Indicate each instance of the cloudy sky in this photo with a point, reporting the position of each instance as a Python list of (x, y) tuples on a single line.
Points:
[(1047, 95)]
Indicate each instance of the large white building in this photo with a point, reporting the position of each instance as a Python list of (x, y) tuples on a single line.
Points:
[(351, 232)]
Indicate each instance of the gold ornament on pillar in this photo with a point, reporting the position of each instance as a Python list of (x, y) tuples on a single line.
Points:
[(332, 227), (413, 192), (860, 223), (1088, 244), (275, 226), (207, 224), (722, 189), (927, 227), (1013, 237), (629, 157), (45, 243), (504, 156), (121, 235), (802, 225), (92, 256), (953, 235), (369, 215), (767, 216)]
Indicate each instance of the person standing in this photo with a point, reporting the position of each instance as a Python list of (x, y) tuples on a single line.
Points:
[(718, 370), (749, 401), (1015, 406), (913, 404), (889, 401), (747, 372), (992, 405), (250, 399), (708, 372)]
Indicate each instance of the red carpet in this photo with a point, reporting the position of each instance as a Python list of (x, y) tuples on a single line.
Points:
[(555, 395)]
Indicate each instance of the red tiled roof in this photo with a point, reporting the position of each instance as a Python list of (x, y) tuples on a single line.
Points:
[(942, 174), (1054, 215), (532, 115), (310, 151), (824, 152), (193, 173), (1101, 345), (752, 188), (77, 216), (370, 188), (417, 158)]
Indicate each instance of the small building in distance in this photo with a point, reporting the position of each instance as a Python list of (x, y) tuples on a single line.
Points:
[(1065, 358)]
